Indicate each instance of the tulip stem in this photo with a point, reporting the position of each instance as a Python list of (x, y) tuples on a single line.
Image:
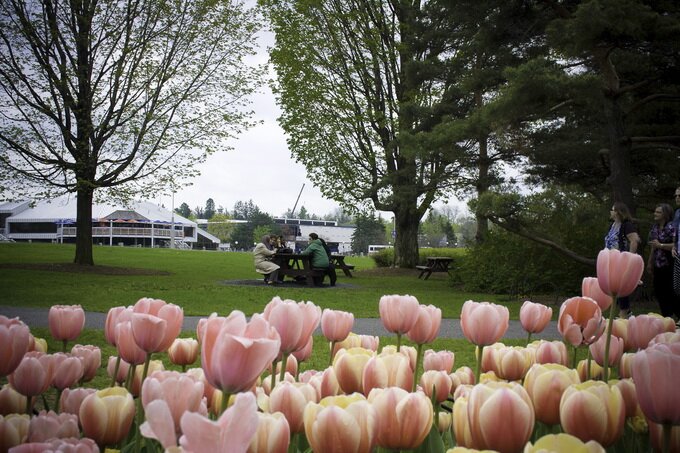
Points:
[(29, 400), (330, 362), (64, 344), (130, 378), (415, 372), (225, 402), (667, 431), (398, 342), (528, 338), (115, 372), (273, 376), (478, 370), (610, 326), (284, 363), (573, 360), (56, 401), (588, 360)]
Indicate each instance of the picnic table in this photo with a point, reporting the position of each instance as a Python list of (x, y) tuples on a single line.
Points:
[(296, 265), (434, 264), (339, 262)]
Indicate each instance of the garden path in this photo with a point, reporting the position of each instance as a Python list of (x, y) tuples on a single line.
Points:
[(450, 328)]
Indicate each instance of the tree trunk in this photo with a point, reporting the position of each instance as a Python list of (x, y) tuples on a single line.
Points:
[(406, 243), (482, 185), (84, 225), (620, 178)]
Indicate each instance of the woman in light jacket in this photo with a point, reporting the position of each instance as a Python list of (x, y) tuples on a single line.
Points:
[(262, 257)]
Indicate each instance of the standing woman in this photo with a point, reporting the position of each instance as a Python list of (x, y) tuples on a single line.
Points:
[(660, 260), (622, 236)]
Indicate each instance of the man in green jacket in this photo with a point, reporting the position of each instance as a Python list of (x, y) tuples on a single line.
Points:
[(318, 253)]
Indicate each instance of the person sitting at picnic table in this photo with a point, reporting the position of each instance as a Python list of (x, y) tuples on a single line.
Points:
[(319, 257), (331, 267), (262, 257)]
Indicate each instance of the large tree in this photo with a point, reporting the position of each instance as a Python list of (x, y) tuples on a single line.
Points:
[(121, 94), (361, 84)]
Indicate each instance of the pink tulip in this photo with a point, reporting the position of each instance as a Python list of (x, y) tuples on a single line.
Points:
[(590, 287), (426, 327), (501, 416), (545, 385), (149, 332), (628, 393), (295, 322), (398, 313), (154, 365), (550, 352), (440, 360), (68, 370), (70, 444), (159, 424), (619, 273), (484, 323), (291, 399), (199, 375), (273, 434), (404, 419), (563, 443), (593, 411), (183, 351), (301, 355), (655, 373), (460, 422), (172, 314), (580, 321), (357, 341), (128, 349), (115, 316), (123, 369), (626, 365), (233, 431), (66, 321), (348, 366), (620, 329), (341, 424), (14, 343), (91, 356), (666, 338), (512, 362), (33, 375), (49, 425), (461, 377), (656, 437), (11, 401), (13, 430), (642, 329), (181, 393), (615, 351), (106, 415), (596, 371), (534, 317), (328, 385), (266, 385), (387, 370), (235, 352), (336, 325), (72, 399), (436, 381), (37, 345)]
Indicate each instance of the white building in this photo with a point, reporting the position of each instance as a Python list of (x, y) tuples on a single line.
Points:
[(296, 231), (139, 223)]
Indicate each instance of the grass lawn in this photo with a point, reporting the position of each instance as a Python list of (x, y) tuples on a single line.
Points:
[(198, 282)]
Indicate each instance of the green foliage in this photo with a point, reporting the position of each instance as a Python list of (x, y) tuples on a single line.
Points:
[(220, 226), (507, 263), (209, 210), (259, 224), (385, 257), (369, 231), (184, 210)]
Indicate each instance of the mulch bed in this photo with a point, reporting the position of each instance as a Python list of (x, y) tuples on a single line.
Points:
[(81, 269)]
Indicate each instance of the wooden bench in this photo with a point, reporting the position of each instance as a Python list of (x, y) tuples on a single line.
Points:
[(434, 264), (296, 266), (339, 262)]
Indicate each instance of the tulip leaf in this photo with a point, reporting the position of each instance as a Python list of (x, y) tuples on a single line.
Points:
[(432, 444)]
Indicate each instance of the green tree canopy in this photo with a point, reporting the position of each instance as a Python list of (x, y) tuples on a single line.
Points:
[(369, 231), (124, 95)]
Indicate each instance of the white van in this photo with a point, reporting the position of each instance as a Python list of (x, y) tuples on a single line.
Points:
[(374, 248)]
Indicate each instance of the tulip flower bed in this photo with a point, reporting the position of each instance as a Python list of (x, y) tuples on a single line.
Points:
[(248, 394)]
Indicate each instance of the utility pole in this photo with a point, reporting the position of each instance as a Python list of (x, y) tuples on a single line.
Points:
[(292, 212), (172, 230)]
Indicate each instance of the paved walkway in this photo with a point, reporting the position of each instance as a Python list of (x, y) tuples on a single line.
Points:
[(450, 328)]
